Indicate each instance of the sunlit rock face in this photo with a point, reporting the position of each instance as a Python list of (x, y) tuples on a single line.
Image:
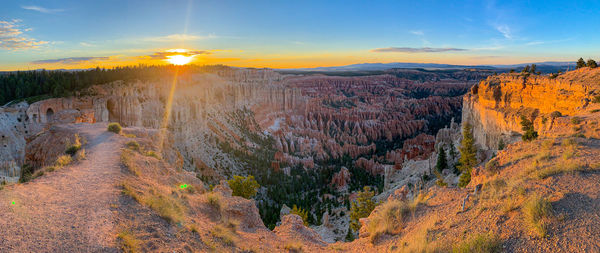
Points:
[(495, 105)]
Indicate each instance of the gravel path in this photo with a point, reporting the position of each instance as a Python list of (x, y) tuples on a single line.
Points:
[(67, 210)]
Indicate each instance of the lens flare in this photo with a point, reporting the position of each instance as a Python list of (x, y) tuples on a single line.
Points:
[(179, 59)]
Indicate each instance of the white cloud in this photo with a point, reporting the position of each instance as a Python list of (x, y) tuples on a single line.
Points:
[(180, 37), (505, 31), (41, 9), (12, 37), (418, 33), (417, 50)]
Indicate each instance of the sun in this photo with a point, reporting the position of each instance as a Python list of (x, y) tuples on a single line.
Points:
[(179, 59)]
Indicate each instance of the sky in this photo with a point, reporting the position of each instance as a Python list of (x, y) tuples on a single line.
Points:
[(55, 34)]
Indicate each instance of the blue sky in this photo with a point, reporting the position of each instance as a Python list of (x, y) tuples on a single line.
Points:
[(286, 34)]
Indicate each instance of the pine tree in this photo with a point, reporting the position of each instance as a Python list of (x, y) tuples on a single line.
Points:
[(532, 69), (468, 152), (527, 126), (501, 144), (442, 163), (592, 64), (361, 207), (581, 63), (349, 235), (525, 69)]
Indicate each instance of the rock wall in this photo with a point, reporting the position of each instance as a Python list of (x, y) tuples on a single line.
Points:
[(494, 106)]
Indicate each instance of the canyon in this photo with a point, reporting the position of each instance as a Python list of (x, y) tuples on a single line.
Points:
[(340, 133)]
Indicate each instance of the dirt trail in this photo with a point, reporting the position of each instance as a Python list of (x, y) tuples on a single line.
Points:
[(67, 210)]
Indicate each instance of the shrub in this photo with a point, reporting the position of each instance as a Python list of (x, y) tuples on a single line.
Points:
[(26, 173), (481, 243), (151, 153), (361, 207), (293, 247), (527, 126), (128, 242), (167, 207), (245, 187), (214, 200), (72, 149), (114, 127), (226, 235), (596, 99), (501, 144), (389, 219), (127, 161), (576, 120), (538, 211), (302, 213), (492, 166), (134, 145), (555, 114), (63, 160)]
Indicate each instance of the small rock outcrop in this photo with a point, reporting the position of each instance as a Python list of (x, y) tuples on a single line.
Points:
[(292, 228)]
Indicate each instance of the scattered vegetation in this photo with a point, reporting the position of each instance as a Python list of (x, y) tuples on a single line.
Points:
[(576, 120), (133, 145), (293, 247), (214, 200), (224, 234), (129, 163), (114, 127), (302, 213), (129, 243), (167, 206), (73, 148), (245, 187), (481, 243), (361, 207), (527, 126), (63, 160), (538, 211)]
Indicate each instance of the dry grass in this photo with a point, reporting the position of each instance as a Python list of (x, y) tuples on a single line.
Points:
[(481, 243), (129, 243), (133, 145), (224, 233), (167, 206), (129, 163), (214, 199), (564, 167), (63, 160), (538, 211), (390, 216), (151, 153), (80, 155), (294, 246)]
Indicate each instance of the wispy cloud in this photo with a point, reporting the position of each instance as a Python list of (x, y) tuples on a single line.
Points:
[(539, 42), (165, 54), (12, 37), (419, 33), (505, 31), (417, 50), (71, 60), (41, 9), (180, 37)]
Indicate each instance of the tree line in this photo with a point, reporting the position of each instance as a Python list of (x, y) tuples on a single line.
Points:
[(19, 85)]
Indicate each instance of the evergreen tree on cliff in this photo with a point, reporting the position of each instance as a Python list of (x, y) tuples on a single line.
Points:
[(527, 126), (468, 155), (442, 163), (592, 64), (581, 63), (468, 152)]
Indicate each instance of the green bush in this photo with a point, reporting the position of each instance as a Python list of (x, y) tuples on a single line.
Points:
[(527, 126), (114, 127), (134, 145), (576, 120), (302, 213), (245, 187)]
